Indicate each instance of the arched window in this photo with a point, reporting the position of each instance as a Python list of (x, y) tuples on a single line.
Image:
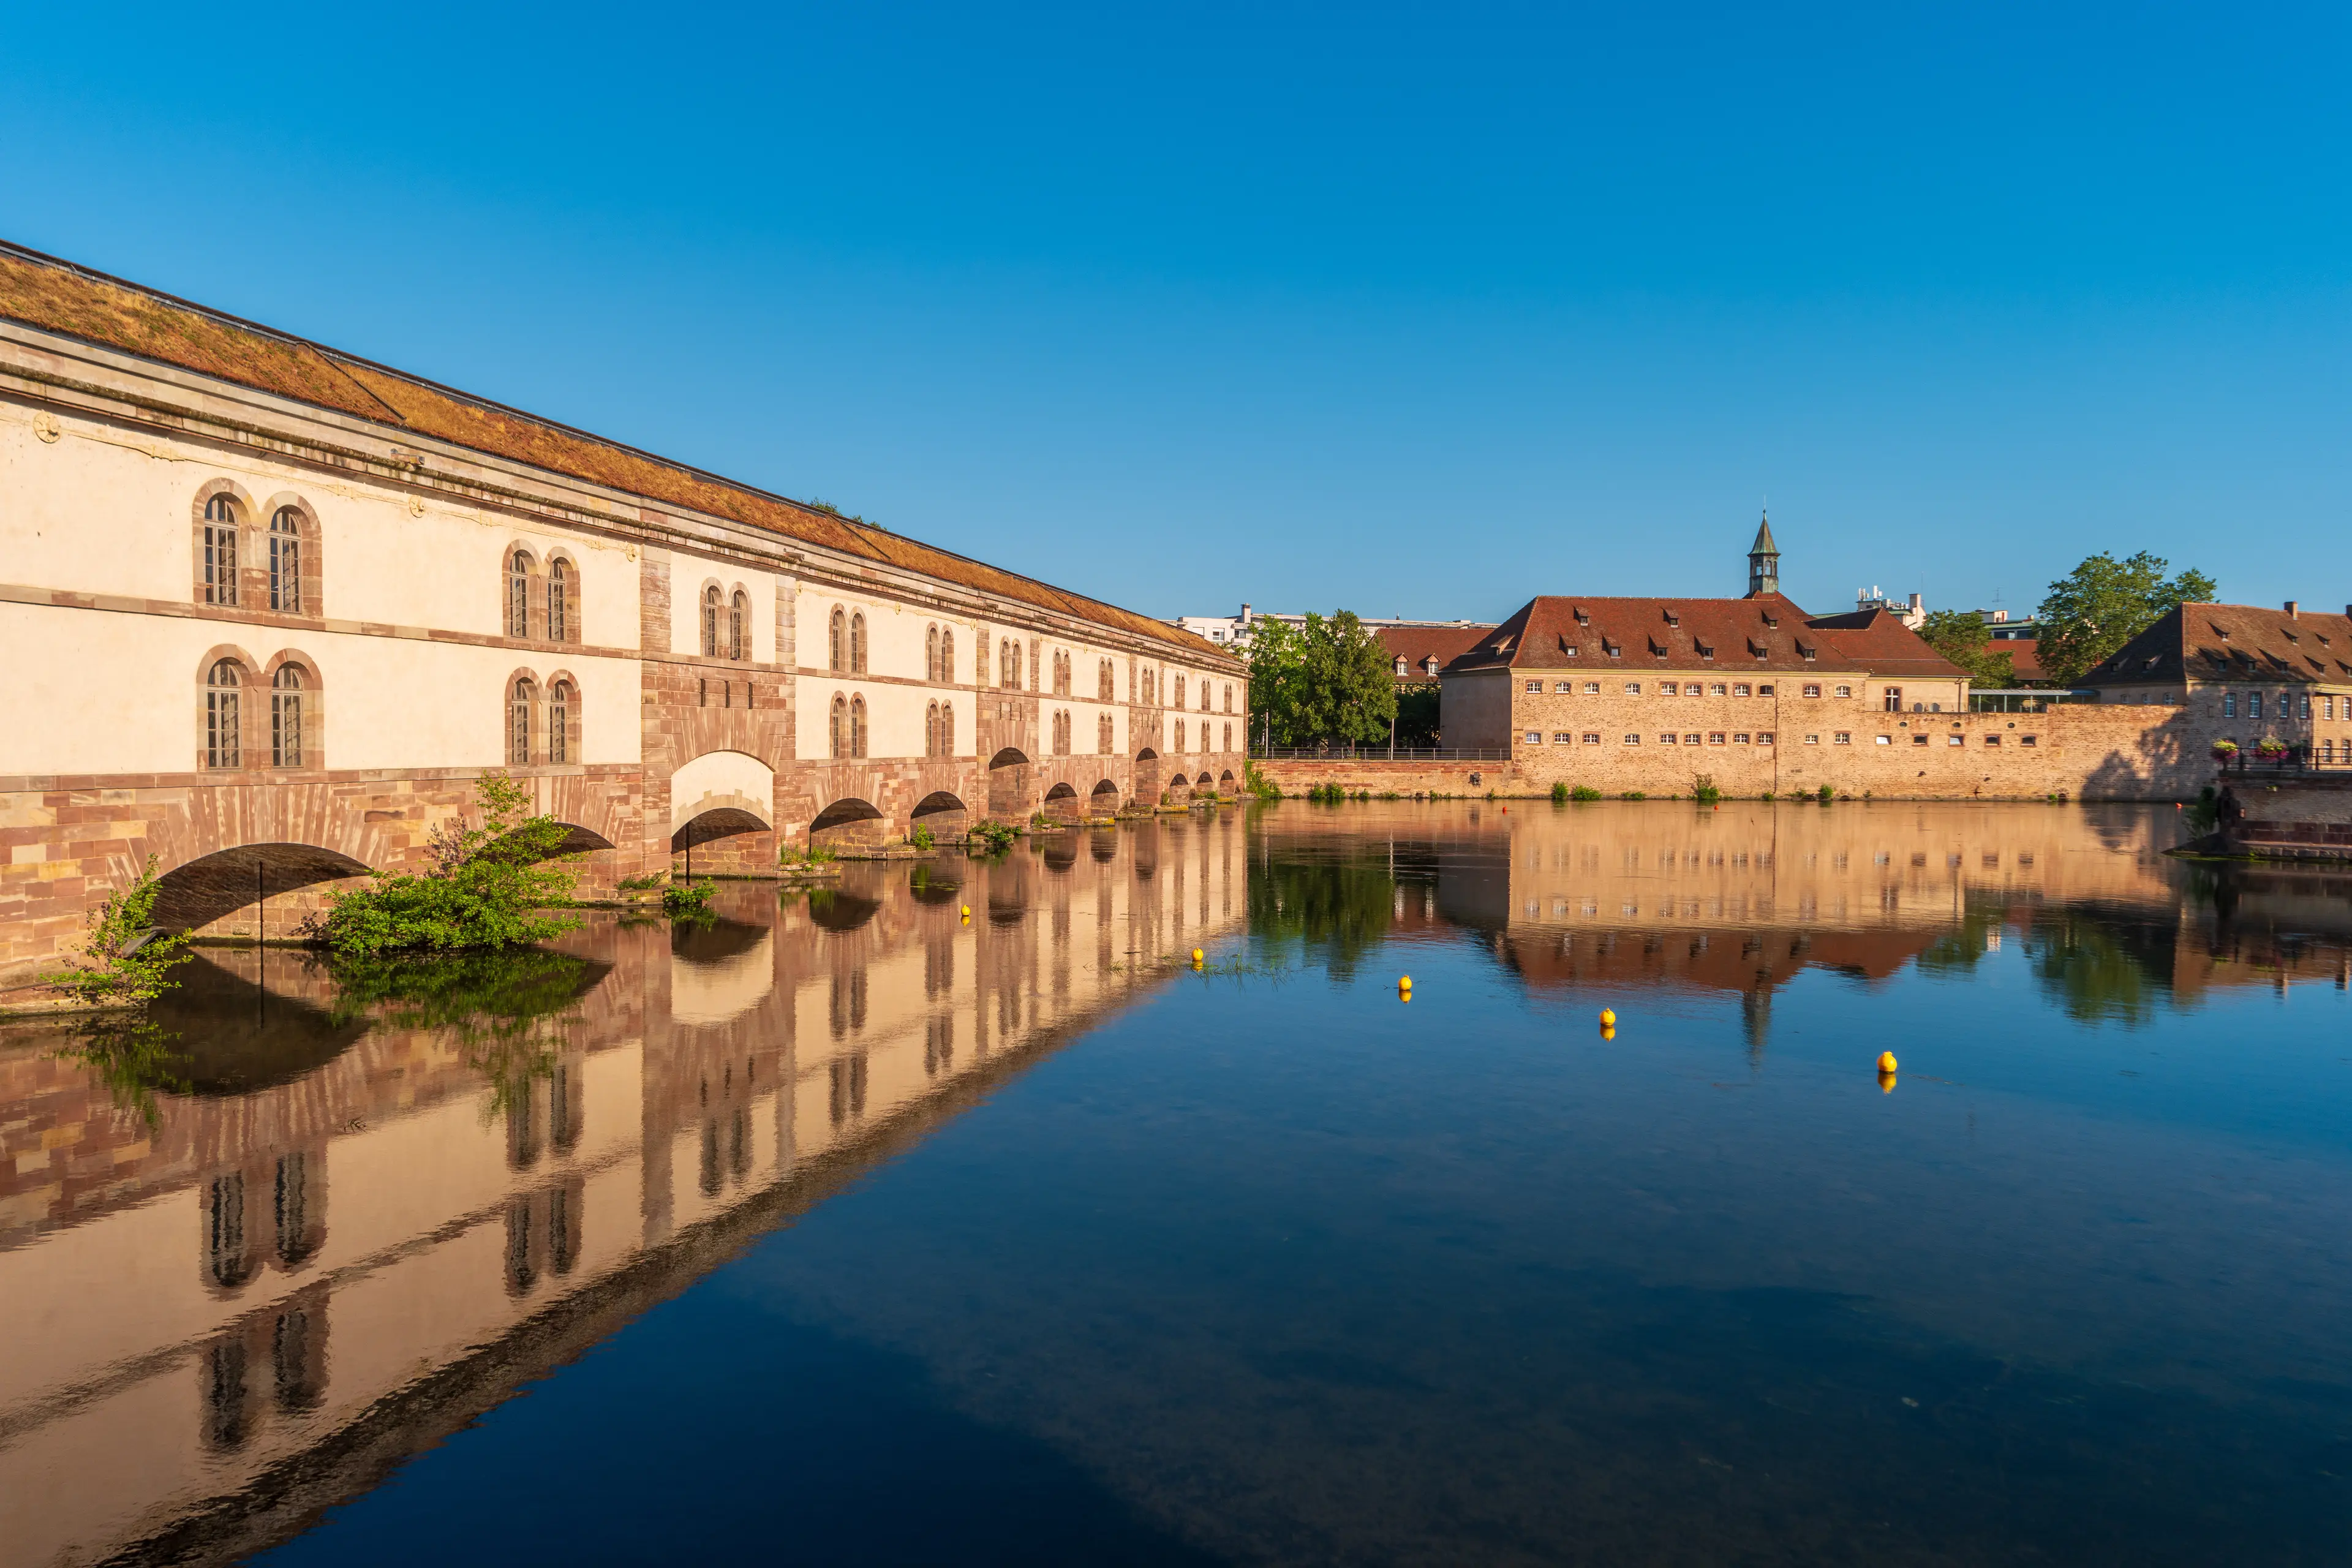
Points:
[(1205, 694), (1229, 739), (1229, 701), (947, 730), (1180, 734), (1151, 687), (1012, 664), (857, 726), (739, 628), (712, 604), (518, 594), (947, 656), (563, 613), (931, 722), (858, 645), (220, 552), (838, 725), (931, 653), (1102, 735), (286, 560), (562, 713), (286, 717), (520, 701), (1061, 672), (1104, 691), (1061, 732), (1180, 697), (221, 747)]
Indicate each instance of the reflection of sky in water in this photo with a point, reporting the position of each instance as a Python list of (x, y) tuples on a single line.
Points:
[(1278, 1268)]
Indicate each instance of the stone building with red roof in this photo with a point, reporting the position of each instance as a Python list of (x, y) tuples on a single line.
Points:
[(2244, 674), (1754, 692)]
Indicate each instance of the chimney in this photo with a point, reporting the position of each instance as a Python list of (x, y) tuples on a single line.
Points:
[(2291, 609), (1245, 620)]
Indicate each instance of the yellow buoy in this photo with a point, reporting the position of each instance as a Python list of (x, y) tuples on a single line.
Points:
[(1608, 1017), (967, 911), (1608, 1031), (1886, 1061), (1198, 955), (1886, 1083)]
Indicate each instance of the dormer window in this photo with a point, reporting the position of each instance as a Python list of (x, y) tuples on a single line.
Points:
[(1614, 650), (1706, 650), (1582, 619), (1429, 665), (1400, 664), (1771, 620), (1568, 648), (1673, 619), (1805, 652), (1657, 647), (2223, 635)]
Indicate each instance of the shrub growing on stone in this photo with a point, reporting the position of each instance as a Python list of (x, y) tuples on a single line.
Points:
[(121, 963), (487, 887)]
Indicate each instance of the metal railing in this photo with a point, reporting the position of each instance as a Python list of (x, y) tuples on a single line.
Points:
[(1341, 752), (2024, 699), (2245, 764)]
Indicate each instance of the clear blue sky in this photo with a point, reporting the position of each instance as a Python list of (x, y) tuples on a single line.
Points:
[(1410, 311)]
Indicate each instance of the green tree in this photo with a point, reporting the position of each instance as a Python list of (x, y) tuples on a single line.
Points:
[(485, 888), (2104, 604), (1329, 681), (124, 961), (1959, 636)]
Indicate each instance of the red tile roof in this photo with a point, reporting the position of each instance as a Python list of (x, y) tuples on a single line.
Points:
[(1416, 643), (2024, 655), (1770, 632), (59, 297), (2234, 642)]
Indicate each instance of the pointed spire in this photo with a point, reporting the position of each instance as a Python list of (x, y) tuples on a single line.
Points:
[(1764, 545)]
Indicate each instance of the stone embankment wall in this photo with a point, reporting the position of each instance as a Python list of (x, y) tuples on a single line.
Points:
[(2293, 817), (2087, 751)]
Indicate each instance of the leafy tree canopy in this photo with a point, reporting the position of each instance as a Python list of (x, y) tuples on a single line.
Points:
[(2105, 602), (485, 886), (1327, 680), (1959, 636)]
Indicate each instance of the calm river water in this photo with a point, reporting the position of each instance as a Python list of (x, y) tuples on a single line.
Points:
[(844, 1228)]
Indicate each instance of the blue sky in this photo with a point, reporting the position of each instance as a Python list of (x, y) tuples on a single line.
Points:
[(1413, 310)]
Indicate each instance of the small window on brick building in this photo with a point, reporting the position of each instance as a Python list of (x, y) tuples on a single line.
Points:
[(1564, 686), (1841, 738), (1535, 737), (1692, 738), (1812, 740), (220, 552), (1632, 740), (1632, 689), (1812, 689), (1764, 737), (1717, 689), (286, 717), (1956, 740), (1884, 740), (1563, 738), (1668, 739), (2229, 705), (1846, 691), (562, 713), (222, 744), (1716, 738), (1591, 738), (1535, 687), (521, 699), (1739, 737), (2025, 739), (1668, 689), (1993, 739), (286, 560), (1764, 691)]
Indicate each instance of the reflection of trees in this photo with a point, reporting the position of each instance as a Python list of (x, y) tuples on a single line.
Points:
[(2102, 965), (498, 1006), (135, 1057), (1339, 906)]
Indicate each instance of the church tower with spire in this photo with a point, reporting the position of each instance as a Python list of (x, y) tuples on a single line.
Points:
[(1763, 562)]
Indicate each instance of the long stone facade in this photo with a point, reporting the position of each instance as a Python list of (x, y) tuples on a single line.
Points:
[(271, 611)]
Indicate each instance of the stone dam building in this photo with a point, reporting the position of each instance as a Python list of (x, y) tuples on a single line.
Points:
[(271, 609)]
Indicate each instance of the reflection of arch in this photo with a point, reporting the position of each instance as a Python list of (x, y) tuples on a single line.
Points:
[(206, 888), (940, 811), (1061, 852), (847, 821), (1105, 844), (719, 970), (835, 909)]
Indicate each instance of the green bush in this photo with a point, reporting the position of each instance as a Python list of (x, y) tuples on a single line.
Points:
[(121, 963), (1560, 794), (1703, 789), (1825, 795), (814, 854), (688, 897), (922, 839), (990, 837), (1584, 792), (1632, 794), (2204, 814), (1258, 785), (484, 889)]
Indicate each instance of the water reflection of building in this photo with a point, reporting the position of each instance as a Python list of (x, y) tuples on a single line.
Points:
[(205, 1349)]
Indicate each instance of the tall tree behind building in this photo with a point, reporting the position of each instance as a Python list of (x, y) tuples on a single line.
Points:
[(1959, 636), (1327, 680), (2104, 604)]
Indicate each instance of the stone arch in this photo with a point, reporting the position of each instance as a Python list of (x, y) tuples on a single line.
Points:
[(1104, 801), (203, 889), (847, 821), (1225, 781), (943, 813), (1008, 783), (1062, 801), (1147, 776), (723, 781)]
